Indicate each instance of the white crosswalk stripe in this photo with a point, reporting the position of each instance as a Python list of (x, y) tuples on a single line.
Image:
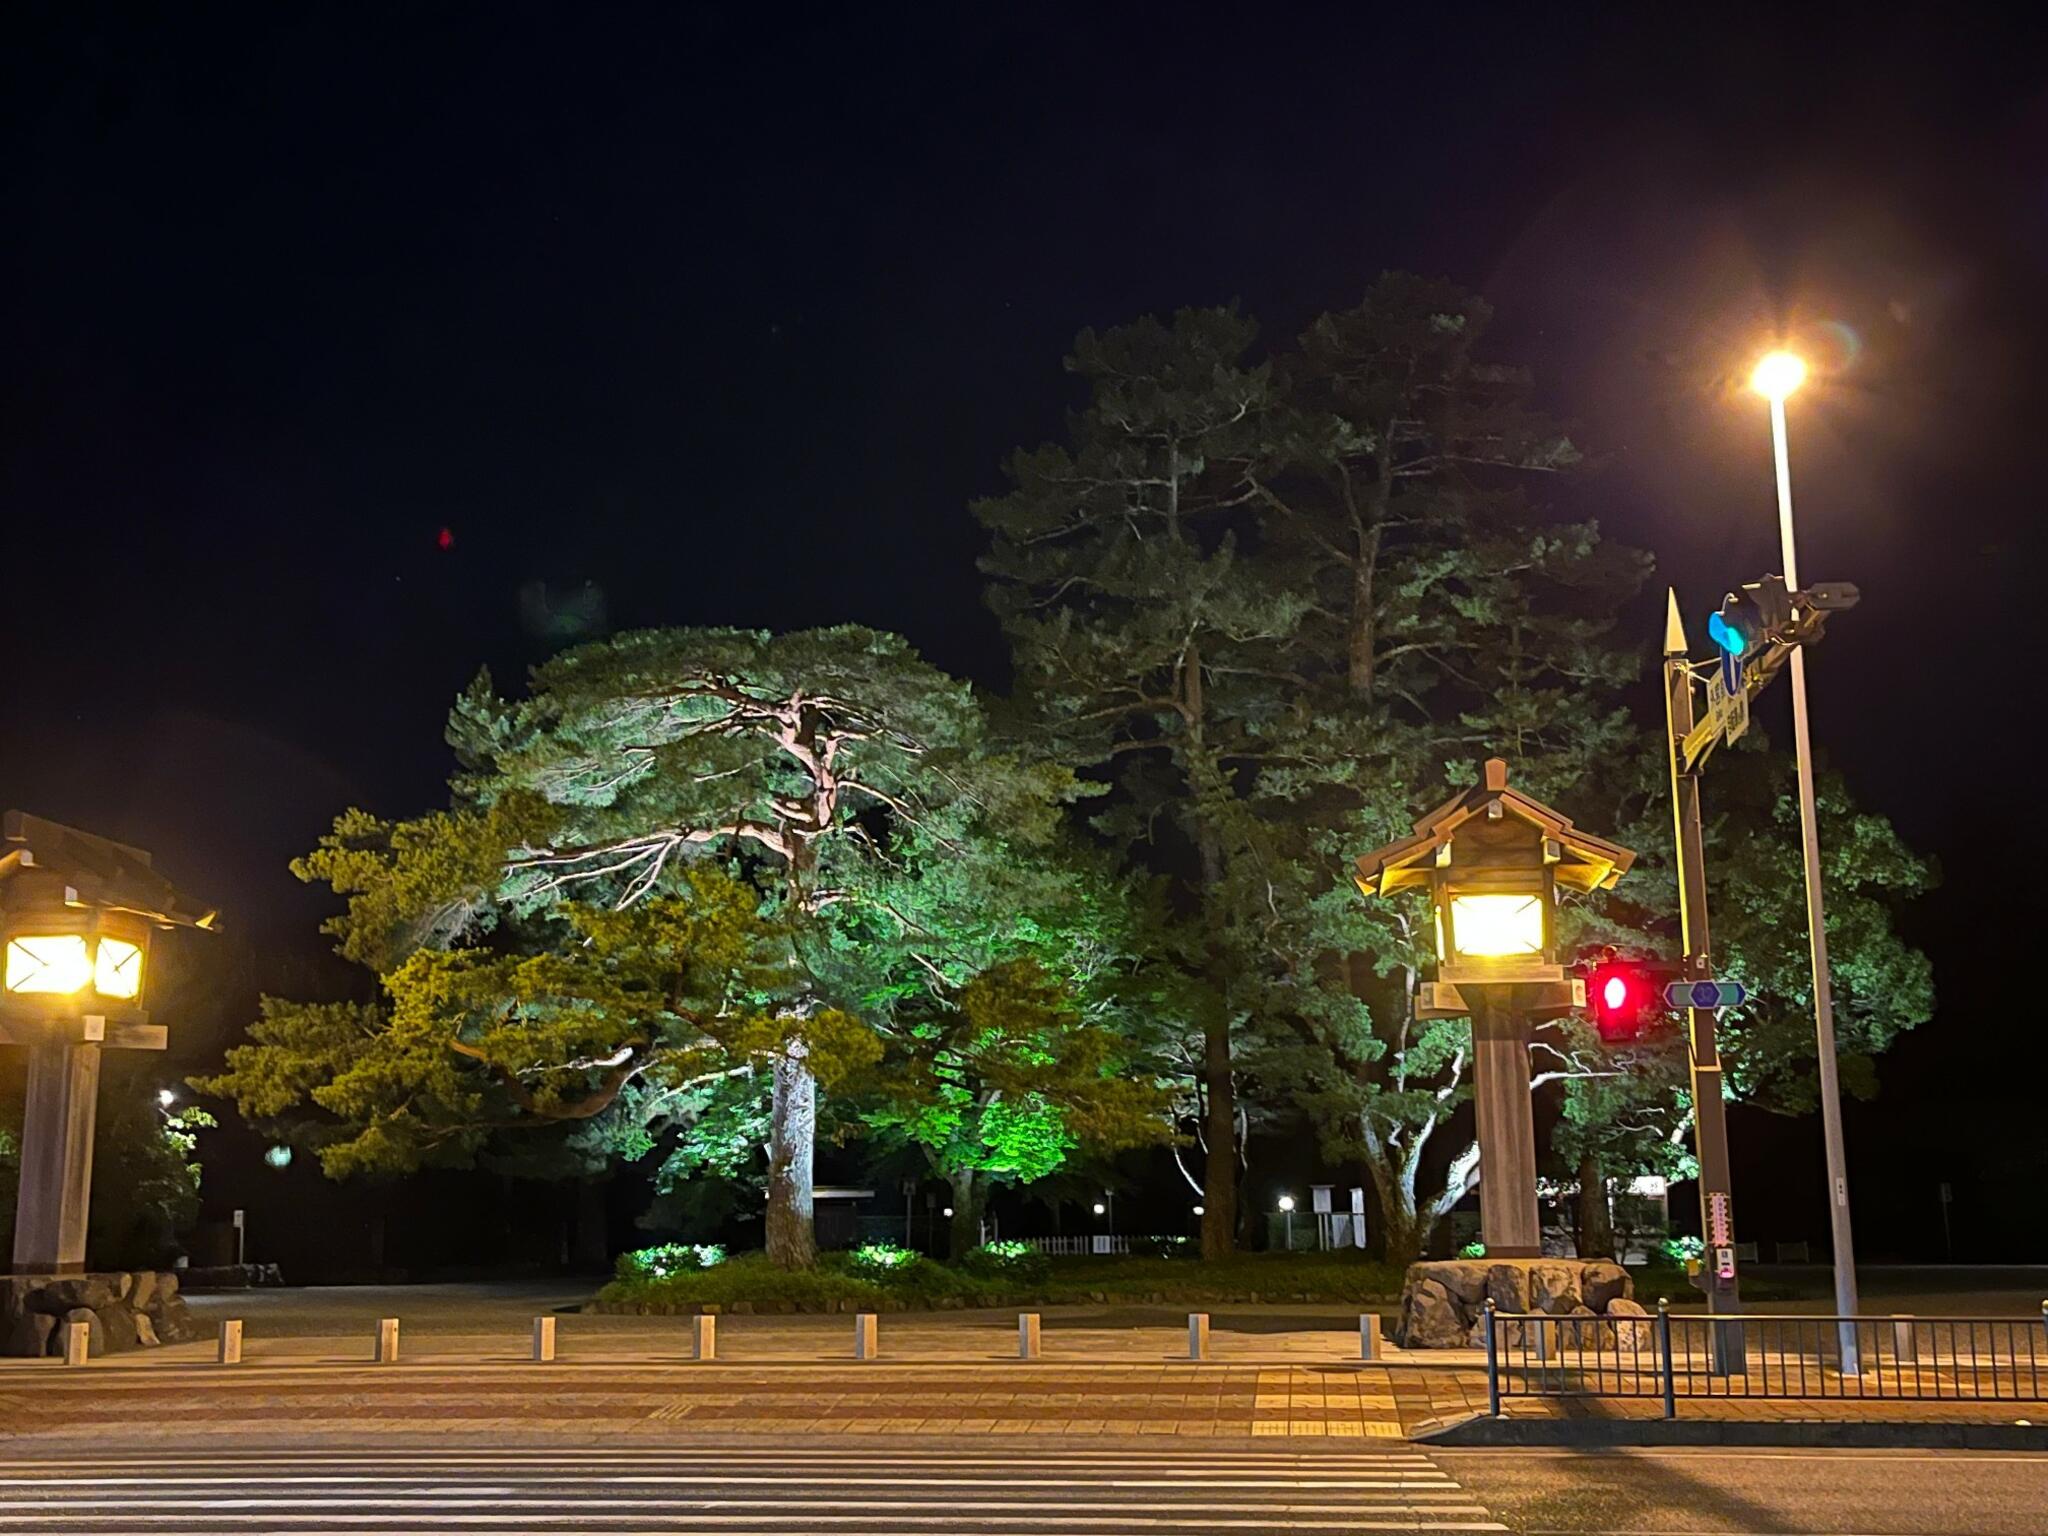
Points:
[(832, 1490)]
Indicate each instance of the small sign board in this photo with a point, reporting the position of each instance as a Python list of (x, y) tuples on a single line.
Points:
[(1728, 700), (1720, 1219), (1705, 994)]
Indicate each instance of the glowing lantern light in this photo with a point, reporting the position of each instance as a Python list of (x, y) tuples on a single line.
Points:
[(48, 963)]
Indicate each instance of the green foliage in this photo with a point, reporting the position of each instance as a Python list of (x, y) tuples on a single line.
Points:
[(665, 1259), (1472, 1251), (1342, 1278), (1010, 1260), (1682, 1250), (876, 1261)]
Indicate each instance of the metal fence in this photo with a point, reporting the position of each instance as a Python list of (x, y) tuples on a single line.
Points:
[(1676, 1356)]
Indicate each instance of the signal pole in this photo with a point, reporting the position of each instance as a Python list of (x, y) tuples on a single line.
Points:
[(1709, 1113)]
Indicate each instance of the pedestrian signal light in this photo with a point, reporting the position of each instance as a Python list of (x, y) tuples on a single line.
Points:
[(1624, 995)]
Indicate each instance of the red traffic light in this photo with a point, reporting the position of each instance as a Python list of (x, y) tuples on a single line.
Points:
[(1625, 995)]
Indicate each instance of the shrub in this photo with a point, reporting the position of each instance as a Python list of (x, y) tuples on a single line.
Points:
[(665, 1259), (881, 1261), (1472, 1251), (1681, 1249), (1009, 1260)]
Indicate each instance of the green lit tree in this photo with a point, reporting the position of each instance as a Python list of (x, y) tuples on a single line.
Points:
[(1145, 646), (687, 857)]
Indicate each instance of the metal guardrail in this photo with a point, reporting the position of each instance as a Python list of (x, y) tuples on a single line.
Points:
[(1672, 1356)]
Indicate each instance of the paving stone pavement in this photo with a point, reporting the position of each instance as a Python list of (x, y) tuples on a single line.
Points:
[(1344, 1401)]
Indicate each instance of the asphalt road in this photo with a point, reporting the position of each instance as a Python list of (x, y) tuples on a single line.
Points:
[(1049, 1488), (1758, 1492)]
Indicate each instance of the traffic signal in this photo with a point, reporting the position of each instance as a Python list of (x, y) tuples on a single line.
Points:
[(1626, 997), (1748, 619)]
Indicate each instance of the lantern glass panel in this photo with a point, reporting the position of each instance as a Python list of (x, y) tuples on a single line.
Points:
[(1498, 926), (117, 969), (48, 963)]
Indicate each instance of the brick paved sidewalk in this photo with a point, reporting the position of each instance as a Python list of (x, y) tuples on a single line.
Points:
[(42, 1401)]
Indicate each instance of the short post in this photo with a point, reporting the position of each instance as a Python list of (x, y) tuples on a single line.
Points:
[(1905, 1344), (1198, 1335), (1027, 1335), (866, 1345), (543, 1340), (1664, 1351), (387, 1341), (77, 1342), (704, 1336), (1492, 1362), (1368, 1336), (231, 1341)]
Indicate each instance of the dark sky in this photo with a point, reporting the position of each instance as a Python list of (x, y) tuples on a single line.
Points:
[(721, 315)]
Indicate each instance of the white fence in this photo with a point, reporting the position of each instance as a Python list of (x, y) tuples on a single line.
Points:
[(1067, 1247)]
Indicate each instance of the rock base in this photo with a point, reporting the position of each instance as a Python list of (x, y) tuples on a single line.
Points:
[(124, 1310), (1443, 1305)]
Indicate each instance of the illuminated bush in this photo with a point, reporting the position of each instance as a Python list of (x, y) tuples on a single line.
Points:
[(878, 1261), (666, 1259), (1010, 1259), (1680, 1249)]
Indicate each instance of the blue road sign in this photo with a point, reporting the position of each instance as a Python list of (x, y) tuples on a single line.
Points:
[(1705, 994)]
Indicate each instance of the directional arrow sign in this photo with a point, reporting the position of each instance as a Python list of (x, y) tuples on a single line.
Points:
[(1705, 994)]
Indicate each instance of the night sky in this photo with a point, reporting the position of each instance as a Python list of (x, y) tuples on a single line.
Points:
[(682, 315)]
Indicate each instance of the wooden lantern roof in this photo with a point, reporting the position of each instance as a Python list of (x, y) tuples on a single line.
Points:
[(1581, 862), (40, 856)]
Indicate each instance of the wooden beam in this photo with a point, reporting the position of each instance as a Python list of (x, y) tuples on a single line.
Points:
[(120, 1035)]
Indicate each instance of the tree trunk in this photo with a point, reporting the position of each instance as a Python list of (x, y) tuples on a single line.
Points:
[(1219, 1173), (963, 1232), (1407, 1237), (792, 1126), (1596, 1221), (1359, 661)]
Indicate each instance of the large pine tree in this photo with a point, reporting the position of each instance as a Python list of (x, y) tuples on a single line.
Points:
[(1147, 648)]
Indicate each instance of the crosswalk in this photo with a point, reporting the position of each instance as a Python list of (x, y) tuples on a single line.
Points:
[(820, 1488)]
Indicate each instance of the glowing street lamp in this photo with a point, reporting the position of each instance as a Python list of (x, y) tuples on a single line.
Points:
[(76, 915), (1776, 377), (1287, 1210)]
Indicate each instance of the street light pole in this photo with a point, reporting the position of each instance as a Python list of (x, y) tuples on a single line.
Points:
[(1816, 920)]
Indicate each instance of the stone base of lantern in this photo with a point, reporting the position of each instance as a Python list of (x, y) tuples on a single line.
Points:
[(1443, 1304)]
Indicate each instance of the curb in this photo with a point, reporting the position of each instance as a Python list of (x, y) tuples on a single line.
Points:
[(1480, 1430)]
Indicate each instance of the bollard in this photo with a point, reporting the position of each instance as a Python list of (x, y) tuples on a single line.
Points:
[(704, 1337), (1905, 1348), (1549, 1341), (1368, 1335), (77, 1342), (1198, 1335), (1027, 1335), (865, 1343), (231, 1341), (387, 1341), (543, 1339)]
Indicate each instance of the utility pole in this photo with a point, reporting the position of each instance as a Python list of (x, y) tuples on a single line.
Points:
[(1709, 1113)]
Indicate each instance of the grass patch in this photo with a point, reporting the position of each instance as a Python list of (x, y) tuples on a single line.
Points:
[(838, 1282)]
